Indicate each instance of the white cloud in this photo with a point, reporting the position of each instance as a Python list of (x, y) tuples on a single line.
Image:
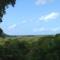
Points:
[(43, 2), (12, 26), (50, 16)]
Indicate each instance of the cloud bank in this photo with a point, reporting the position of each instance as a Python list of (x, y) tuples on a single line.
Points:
[(50, 16), (43, 2)]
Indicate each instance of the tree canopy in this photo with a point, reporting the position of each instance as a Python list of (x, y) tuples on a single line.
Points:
[(3, 5)]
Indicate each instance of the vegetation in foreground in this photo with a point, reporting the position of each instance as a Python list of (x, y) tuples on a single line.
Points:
[(30, 48)]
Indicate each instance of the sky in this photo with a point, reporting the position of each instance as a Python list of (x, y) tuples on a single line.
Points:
[(32, 17)]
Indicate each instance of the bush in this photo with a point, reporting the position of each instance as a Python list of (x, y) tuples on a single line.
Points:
[(45, 48)]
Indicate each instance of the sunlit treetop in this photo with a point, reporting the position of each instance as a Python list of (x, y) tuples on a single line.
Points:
[(3, 5)]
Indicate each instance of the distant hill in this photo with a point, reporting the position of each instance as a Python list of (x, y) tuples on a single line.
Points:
[(2, 34)]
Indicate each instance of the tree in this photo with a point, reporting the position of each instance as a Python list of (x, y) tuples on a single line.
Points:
[(1, 32), (3, 6)]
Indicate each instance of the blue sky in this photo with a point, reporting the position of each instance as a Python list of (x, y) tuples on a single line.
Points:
[(32, 17)]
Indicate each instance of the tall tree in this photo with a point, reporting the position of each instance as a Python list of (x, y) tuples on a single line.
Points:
[(3, 6)]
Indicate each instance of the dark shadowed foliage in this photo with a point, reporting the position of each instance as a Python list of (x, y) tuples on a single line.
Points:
[(43, 48), (3, 5)]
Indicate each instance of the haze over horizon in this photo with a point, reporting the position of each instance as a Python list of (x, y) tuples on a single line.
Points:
[(32, 17)]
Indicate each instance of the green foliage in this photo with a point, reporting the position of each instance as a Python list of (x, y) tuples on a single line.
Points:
[(1, 31), (3, 5), (30, 48)]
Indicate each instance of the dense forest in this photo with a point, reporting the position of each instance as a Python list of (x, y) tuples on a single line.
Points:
[(30, 47)]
